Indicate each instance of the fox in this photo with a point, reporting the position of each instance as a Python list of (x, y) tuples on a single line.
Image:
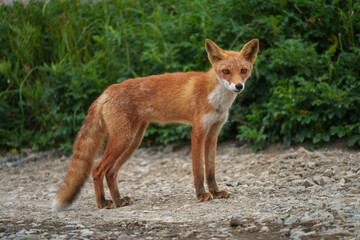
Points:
[(123, 112)]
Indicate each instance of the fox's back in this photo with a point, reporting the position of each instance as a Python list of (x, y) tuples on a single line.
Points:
[(169, 97)]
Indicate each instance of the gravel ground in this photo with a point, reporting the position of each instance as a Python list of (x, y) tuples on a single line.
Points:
[(276, 194)]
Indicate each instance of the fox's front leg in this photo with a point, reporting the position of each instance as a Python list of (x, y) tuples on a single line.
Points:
[(210, 154), (197, 144)]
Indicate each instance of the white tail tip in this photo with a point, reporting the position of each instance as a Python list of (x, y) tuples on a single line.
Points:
[(57, 205)]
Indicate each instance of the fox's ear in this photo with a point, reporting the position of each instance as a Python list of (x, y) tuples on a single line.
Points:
[(215, 53), (249, 51)]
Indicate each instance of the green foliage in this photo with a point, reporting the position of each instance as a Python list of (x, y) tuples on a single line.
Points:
[(57, 56)]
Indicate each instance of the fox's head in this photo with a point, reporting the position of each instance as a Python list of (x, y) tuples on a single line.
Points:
[(232, 68)]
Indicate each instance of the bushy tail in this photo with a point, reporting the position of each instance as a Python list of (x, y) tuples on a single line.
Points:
[(88, 142)]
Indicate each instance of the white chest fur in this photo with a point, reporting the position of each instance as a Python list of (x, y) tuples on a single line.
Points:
[(221, 99)]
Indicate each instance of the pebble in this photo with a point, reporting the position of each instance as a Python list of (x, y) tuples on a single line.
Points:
[(302, 150), (280, 219), (334, 232), (291, 220), (21, 232), (296, 233), (306, 219), (123, 237), (291, 150), (64, 236), (318, 179), (251, 228), (264, 229), (354, 190), (86, 233), (308, 183), (309, 234), (284, 231), (237, 221), (311, 164), (342, 181), (321, 215), (328, 173)]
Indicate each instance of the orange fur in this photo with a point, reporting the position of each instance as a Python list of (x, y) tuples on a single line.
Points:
[(124, 110)]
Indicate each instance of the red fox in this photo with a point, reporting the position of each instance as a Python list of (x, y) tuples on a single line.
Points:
[(123, 112)]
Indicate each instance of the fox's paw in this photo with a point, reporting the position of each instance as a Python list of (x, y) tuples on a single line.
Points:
[(125, 201), (202, 197), (220, 194), (107, 204)]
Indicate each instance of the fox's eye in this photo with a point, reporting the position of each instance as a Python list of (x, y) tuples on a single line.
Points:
[(243, 71), (225, 71)]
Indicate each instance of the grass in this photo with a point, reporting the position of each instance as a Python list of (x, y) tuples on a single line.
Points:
[(56, 57)]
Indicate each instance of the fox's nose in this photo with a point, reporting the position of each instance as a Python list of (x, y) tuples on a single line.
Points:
[(239, 86)]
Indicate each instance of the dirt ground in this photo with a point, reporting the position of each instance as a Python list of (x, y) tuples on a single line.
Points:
[(275, 194)]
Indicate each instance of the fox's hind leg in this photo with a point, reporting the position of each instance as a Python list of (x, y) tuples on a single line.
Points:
[(112, 173), (118, 144)]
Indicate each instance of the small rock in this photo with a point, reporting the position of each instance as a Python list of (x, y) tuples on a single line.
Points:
[(322, 216), (302, 150), (31, 158), (336, 231), (284, 231), (237, 221), (342, 181), (354, 190), (264, 229), (311, 164), (35, 224), (86, 232), (328, 173), (264, 175), (280, 219), (62, 237), (296, 233), (306, 219), (285, 209), (123, 237), (290, 220), (327, 180), (225, 157), (21, 232), (251, 228), (322, 161), (308, 234), (318, 179), (355, 169), (32, 231), (308, 183), (291, 150)]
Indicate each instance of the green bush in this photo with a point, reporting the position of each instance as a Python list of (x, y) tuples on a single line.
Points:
[(57, 56)]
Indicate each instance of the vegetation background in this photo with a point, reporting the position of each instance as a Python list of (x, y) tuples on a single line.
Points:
[(57, 56)]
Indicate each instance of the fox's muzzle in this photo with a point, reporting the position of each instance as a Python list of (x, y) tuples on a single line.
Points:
[(239, 86)]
